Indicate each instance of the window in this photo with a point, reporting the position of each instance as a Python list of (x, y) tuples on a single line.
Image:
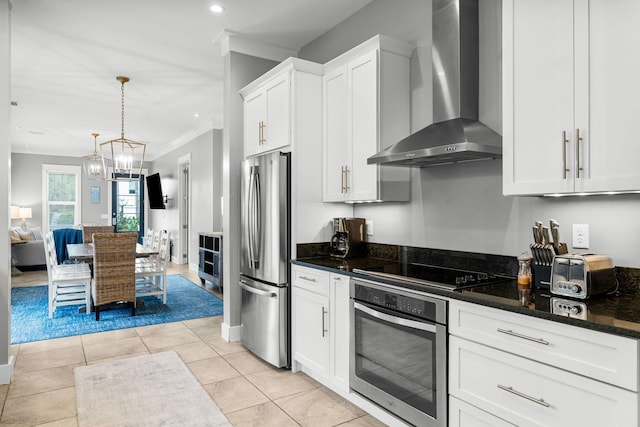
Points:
[(60, 196)]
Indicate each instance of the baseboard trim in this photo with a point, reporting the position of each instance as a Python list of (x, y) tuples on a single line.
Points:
[(230, 333), (6, 371)]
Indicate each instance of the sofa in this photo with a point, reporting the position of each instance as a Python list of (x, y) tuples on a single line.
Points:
[(27, 248)]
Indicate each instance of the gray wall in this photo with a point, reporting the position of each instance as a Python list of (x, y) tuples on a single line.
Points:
[(26, 188), (206, 189), (5, 187), (461, 207)]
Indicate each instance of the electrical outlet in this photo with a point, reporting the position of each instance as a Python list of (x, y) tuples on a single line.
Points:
[(580, 236), (369, 227)]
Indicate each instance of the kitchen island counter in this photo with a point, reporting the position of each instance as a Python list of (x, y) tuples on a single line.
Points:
[(617, 314)]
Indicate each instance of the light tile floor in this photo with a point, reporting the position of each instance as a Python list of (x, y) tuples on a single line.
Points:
[(249, 391)]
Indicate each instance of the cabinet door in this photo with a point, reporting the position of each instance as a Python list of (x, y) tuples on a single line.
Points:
[(337, 147), (538, 97), (339, 357), (254, 116), (609, 99), (364, 126), (311, 331), (461, 414), (277, 126)]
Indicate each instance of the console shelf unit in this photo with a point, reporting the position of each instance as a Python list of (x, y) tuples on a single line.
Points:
[(210, 260)]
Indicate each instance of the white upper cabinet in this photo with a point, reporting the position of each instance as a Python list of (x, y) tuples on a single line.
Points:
[(570, 96), (272, 103), (366, 107)]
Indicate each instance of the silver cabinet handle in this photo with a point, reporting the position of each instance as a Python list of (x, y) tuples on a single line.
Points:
[(578, 139), (524, 337), (526, 396), (308, 279), (346, 179), (324, 329), (565, 141)]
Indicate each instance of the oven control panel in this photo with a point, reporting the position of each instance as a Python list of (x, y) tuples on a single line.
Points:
[(396, 302)]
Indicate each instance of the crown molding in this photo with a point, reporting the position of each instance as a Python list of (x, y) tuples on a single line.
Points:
[(230, 41), (188, 137)]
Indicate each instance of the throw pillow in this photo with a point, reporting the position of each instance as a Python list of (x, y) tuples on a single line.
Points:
[(15, 237), (37, 233), (24, 234)]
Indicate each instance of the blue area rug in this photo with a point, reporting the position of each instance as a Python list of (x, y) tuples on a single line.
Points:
[(30, 321)]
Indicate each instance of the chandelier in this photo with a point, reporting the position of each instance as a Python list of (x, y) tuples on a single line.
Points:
[(123, 156), (92, 164)]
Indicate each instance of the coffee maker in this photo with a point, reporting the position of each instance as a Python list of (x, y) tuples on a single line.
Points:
[(349, 237)]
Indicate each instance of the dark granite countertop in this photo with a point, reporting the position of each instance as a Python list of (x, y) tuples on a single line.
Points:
[(617, 314)]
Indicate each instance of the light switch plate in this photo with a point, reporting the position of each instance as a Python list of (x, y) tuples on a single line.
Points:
[(369, 227)]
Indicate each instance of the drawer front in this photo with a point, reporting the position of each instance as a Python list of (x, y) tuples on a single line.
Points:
[(528, 393), (606, 357), (461, 414), (311, 279)]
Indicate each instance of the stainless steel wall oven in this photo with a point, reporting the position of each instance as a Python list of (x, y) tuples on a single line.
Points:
[(399, 351)]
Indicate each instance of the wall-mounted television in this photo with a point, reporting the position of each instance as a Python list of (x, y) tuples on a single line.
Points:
[(154, 190)]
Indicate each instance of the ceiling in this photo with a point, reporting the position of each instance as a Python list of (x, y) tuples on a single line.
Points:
[(66, 54)]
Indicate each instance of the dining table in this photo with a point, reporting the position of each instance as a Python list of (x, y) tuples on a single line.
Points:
[(84, 251)]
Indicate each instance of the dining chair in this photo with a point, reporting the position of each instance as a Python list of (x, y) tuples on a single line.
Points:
[(69, 284), (147, 240), (88, 230), (114, 262), (151, 272)]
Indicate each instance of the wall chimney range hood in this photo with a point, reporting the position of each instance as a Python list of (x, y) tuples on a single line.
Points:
[(456, 135)]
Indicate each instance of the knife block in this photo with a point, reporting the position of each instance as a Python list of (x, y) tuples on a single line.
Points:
[(541, 276)]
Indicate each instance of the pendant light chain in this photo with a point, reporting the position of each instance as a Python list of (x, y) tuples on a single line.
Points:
[(122, 103)]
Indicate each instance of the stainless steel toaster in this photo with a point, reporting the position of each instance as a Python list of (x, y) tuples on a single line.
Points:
[(582, 275)]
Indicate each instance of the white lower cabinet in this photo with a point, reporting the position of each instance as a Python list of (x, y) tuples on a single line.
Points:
[(501, 366), (461, 414), (320, 326)]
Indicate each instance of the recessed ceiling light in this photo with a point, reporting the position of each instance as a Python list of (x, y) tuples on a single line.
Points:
[(196, 115), (216, 8)]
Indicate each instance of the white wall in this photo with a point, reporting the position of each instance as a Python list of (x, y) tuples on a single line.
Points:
[(461, 207), (206, 190)]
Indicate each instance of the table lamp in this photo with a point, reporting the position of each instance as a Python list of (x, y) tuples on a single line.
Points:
[(25, 213), (15, 212)]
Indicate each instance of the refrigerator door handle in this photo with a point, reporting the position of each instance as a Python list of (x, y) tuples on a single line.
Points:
[(244, 285), (247, 224), (255, 218)]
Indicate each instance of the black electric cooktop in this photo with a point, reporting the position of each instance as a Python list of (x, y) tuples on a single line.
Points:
[(432, 275)]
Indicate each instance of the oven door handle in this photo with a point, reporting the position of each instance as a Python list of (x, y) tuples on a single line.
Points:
[(395, 320)]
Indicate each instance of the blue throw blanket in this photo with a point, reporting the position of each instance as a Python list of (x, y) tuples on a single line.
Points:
[(61, 238)]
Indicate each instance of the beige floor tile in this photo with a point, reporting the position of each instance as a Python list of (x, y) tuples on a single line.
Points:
[(40, 408), (162, 328), (170, 339), (109, 336), (265, 415), (105, 350), (49, 359), (224, 347), (319, 407), (209, 371), (48, 345), (192, 352), (204, 322), (281, 383), (124, 356), (247, 363), (235, 394), (211, 332), (366, 421), (28, 383), (67, 422)]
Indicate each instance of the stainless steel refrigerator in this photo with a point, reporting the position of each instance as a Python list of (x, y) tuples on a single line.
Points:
[(265, 255)]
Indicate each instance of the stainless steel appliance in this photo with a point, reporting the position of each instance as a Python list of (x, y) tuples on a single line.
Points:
[(399, 351), (264, 257), (349, 237), (456, 135), (582, 275)]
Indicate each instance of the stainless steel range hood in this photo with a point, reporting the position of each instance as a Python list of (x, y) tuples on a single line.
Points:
[(456, 134)]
